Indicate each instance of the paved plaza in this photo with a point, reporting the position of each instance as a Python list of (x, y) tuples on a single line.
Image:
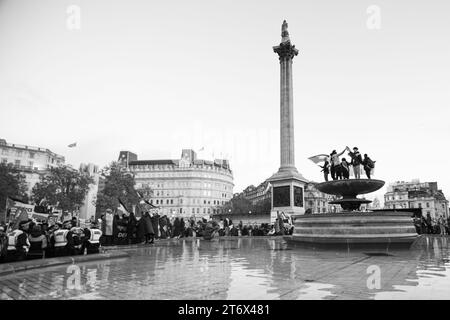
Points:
[(244, 268)]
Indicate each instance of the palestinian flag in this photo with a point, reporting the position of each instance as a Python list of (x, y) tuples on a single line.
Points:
[(123, 208), (144, 201), (319, 158)]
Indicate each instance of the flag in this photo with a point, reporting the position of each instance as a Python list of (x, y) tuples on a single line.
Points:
[(144, 201), (122, 207), (318, 158), (20, 216), (12, 201), (72, 145), (141, 197)]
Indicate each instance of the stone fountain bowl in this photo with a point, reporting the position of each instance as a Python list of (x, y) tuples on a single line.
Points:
[(350, 188)]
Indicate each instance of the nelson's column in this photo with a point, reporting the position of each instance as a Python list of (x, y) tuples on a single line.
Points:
[(287, 184)]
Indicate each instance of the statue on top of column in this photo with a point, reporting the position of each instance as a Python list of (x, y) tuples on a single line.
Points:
[(284, 33)]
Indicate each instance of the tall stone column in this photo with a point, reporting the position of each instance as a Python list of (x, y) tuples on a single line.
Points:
[(286, 53), (287, 183)]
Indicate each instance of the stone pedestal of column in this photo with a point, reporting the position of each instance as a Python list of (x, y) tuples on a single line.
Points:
[(287, 184)]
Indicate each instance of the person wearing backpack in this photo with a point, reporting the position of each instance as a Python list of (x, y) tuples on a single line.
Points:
[(368, 165)]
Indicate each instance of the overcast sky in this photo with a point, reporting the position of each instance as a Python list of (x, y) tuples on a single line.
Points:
[(154, 77)]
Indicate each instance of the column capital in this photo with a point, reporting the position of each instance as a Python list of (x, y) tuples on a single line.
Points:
[(285, 51)]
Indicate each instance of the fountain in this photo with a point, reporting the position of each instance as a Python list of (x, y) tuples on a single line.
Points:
[(352, 227)]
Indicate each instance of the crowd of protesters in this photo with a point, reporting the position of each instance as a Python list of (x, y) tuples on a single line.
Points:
[(29, 239), (127, 229), (429, 225)]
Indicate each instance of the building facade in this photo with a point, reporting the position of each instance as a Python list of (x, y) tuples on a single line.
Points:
[(417, 195), (257, 194), (183, 187), (32, 162), (318, 202), (315, 200)]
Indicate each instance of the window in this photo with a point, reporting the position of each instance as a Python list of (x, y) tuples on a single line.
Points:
[(19, 153), (198, 210), (420, 205), (17, 162), (171, 201), (157, 201), (30, 164), (167, 201), (31, 155), (5, 151), (428, 204), (4, 161), (193, 210)]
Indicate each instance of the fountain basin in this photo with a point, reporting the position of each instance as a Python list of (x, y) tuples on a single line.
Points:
[(348, 190), (381, 229)]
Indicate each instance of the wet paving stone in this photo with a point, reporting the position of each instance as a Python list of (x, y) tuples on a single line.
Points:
[(243, 268)]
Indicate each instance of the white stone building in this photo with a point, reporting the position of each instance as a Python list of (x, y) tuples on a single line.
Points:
[(414, 194), (184, 187), (32, 162)]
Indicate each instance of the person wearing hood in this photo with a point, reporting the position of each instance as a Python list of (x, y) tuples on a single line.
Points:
[(131, 228), (163, 227), (148, 230), (38, 241), (176, 227), (368, 165), (155, 224)]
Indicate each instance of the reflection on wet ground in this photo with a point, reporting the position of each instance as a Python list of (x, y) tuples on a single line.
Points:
[(245, 268)]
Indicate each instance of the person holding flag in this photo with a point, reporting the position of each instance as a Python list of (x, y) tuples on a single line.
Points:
[(335, 163), (326, 169)]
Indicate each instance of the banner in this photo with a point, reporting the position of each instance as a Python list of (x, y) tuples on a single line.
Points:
[(15, 208), (273, 216)]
